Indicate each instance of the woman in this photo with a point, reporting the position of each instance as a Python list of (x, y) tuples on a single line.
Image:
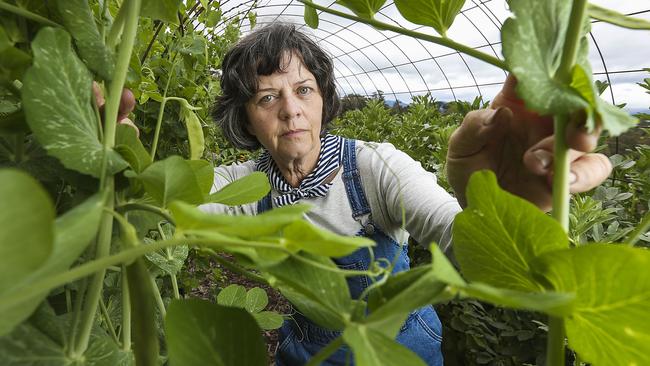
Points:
[(279, 94)]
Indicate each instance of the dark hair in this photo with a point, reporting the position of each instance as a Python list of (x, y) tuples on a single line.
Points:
[(261, 52)]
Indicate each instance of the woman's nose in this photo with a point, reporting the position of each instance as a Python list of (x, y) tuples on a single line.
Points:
[(290, 107)]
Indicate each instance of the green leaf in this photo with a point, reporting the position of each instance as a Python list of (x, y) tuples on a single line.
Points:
[(363, 8), (401, 294), (169, 180), (79, 21), (610, 323), (56, 100), (256, 300), (13, 61), (165, 10), (306, 236), (615, 120), (41, 341), (498, 235), (613, 17), (373, 348), (443, 269), (170, 263), (220, 335), (391, 303), (321, 294), (250, 188), (130, 147), (204, 172), (213, 18), (268, 320), (72, 233), (268, 223), (551, 303), (233, 295), (194, 133), (532, 46), (311, 16), (439, 14), (26, 233)]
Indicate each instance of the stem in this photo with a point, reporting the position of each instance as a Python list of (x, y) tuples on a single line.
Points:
[(237, 269), (116, 29), (561, 166), (634, 236), (158, 297), (172, 276), (145, 207), (161, 111), (555, 342), (345, 272), (68, 300), (20, 294), (443, 41), (97, 283), (27, 14), (132, 9), (78, 304), (107, 319), (121, 68), (19, 147), (177, 294), (126, 312), (103, 11)]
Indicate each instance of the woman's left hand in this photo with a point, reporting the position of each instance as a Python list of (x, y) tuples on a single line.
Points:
[(518, 146)]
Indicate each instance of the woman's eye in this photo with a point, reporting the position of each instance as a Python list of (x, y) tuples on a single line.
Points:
[(266, 99), (304, 90)]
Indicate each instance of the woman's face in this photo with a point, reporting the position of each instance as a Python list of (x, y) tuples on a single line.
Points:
[(286, 112)]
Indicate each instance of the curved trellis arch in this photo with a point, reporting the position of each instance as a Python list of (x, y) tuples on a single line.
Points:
[(483, 18)]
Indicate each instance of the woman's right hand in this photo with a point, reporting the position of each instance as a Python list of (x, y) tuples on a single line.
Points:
[(127, 104)]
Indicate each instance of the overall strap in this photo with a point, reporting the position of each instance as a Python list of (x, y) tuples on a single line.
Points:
[(352, 181), (264, 204)]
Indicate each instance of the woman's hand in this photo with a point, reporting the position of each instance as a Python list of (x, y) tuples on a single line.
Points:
[(518, 146), (127, 104)]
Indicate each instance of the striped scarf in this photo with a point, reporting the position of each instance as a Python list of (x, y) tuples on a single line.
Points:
[(329, 159)]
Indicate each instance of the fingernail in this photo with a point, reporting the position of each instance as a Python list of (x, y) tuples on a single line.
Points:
[(545, 158), (572, 178)]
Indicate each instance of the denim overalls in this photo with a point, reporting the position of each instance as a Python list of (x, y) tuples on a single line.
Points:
[(301, 339)]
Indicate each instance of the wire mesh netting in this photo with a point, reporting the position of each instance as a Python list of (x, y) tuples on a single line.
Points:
[(370, 62)]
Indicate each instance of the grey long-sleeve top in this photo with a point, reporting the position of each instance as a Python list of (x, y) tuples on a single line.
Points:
[(391, 180)]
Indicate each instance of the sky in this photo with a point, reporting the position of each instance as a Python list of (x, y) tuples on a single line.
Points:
[(367, 60)]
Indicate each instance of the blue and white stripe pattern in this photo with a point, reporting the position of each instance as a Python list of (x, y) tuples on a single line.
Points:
[(329, 159)]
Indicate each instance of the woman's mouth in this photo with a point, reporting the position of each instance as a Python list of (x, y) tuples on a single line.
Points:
[(292, 133)]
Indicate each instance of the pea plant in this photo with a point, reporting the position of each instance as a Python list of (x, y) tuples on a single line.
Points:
[(510, 253), (505, 243)]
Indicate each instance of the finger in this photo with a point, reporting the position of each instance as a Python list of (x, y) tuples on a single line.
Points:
[(579, 138), (127, 103), (589, 171), (99, 96), (538, 159), (130, 123), (479, 128), (508, 94)]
